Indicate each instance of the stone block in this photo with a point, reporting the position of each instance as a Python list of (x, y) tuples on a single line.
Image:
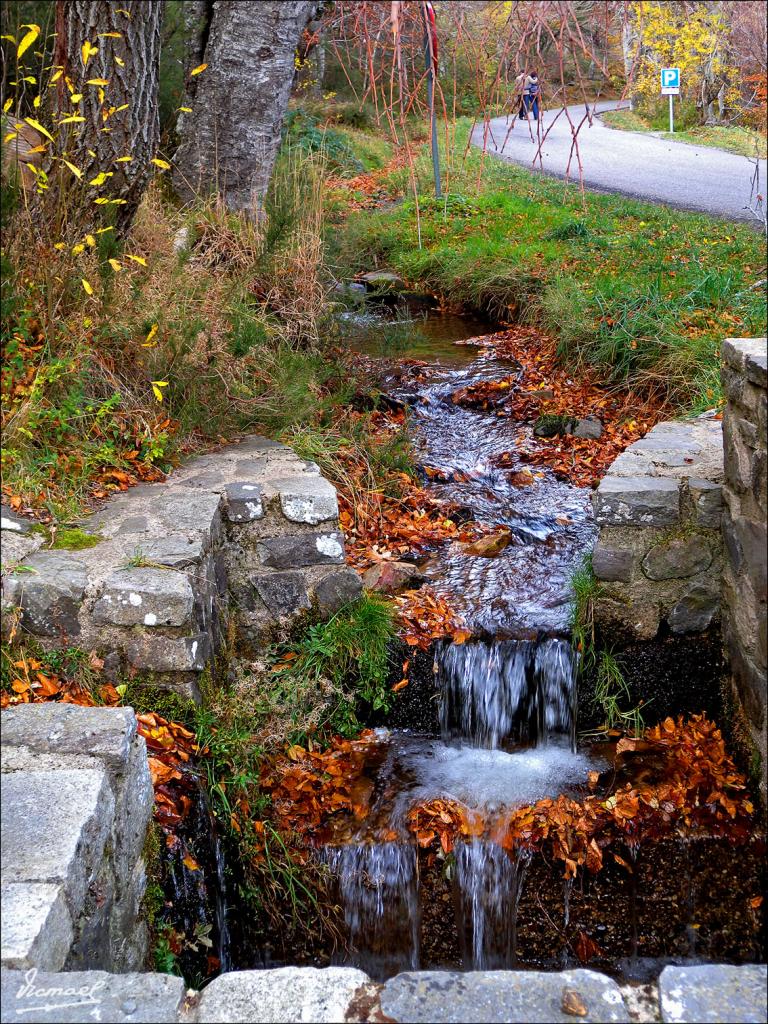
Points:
[(740, 353), (282, 995), (37, 928), (637, 501), (284, 593), (167, 654), (54, 829), (190, 511), (145, 597), (696, 609), (176, 551), (337, 589), (750, 682), (15, 547), (707, 498), (78, 996), (244, 502), (50, 594), (484, 997), (104, 733), (612, 564), (713, 992), (753, 542), (13, 522), (677, 558), (292, 552), (307, 499)]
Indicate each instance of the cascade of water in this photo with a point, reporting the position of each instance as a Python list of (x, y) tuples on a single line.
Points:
[(489, 883), (378, 888), (499, 692)]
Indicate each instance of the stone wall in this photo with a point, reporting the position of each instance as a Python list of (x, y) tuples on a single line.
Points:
[(745, 424), (710, 992), (77, 800), (249, 532), (659, 557)]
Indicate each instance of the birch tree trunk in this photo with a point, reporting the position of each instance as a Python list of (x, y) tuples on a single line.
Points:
[(122, 116), (230, 140)]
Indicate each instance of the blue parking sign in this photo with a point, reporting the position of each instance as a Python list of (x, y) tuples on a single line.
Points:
[(670, 81)]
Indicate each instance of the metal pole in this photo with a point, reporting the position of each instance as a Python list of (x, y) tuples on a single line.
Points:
[(671, 113), (430, 65)]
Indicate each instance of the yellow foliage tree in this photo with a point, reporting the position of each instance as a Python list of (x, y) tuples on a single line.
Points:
[(689, 36)]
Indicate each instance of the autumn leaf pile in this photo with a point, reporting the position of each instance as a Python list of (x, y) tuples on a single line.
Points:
[(697, 790), (308, 786)]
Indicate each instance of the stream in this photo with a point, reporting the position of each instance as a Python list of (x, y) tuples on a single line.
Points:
[(507, 715)]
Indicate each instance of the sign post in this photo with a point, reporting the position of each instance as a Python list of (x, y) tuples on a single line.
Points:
[(670, 86)]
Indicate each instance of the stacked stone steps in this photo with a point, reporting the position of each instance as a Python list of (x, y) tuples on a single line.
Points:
[(76, 802), (697, 995), (251, 529)]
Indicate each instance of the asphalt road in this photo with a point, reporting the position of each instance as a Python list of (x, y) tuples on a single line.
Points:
[(629, 163)]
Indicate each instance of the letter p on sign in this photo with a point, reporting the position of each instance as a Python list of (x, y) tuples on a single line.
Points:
[(670, 81)]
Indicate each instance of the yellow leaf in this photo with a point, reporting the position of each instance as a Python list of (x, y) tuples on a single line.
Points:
[(163, 164), (36, 102), (123, 159), (8, 104), (71, 120), (37, 149), (11, 38), (77, 249), (30, 78), (117, 110), (87, 50), (101, 201), (76, 171), (156, 385), (110, 35), (101, 231), (122, 10), (57, 75), (115, 265), (152, 333), (87, 287), (97, 81), (185, 110), (9, 136), (120, 61), (90, 240), (75, 97), (100, 178), (198, 70), (137, 259), (38, 127), (59, 245), (28, 39)]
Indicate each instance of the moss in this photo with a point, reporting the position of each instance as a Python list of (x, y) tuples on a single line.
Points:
[(67, 538), (145, 695)]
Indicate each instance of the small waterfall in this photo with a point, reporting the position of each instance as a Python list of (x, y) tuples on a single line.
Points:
[(378, 885), (500, 692), (489, 883)]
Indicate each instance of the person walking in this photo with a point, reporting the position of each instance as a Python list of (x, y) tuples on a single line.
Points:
[(530, 104)]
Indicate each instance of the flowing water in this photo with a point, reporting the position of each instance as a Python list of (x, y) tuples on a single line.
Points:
[(507, 701)]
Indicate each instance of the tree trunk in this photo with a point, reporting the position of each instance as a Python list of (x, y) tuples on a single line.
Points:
[(121, 117), (230, 140)]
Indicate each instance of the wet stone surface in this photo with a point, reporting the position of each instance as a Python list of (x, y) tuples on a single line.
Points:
[(714, 993), (503, 996)]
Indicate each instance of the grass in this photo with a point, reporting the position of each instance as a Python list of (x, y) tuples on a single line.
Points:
[(644, 293), (610, 695), (732, 138)]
